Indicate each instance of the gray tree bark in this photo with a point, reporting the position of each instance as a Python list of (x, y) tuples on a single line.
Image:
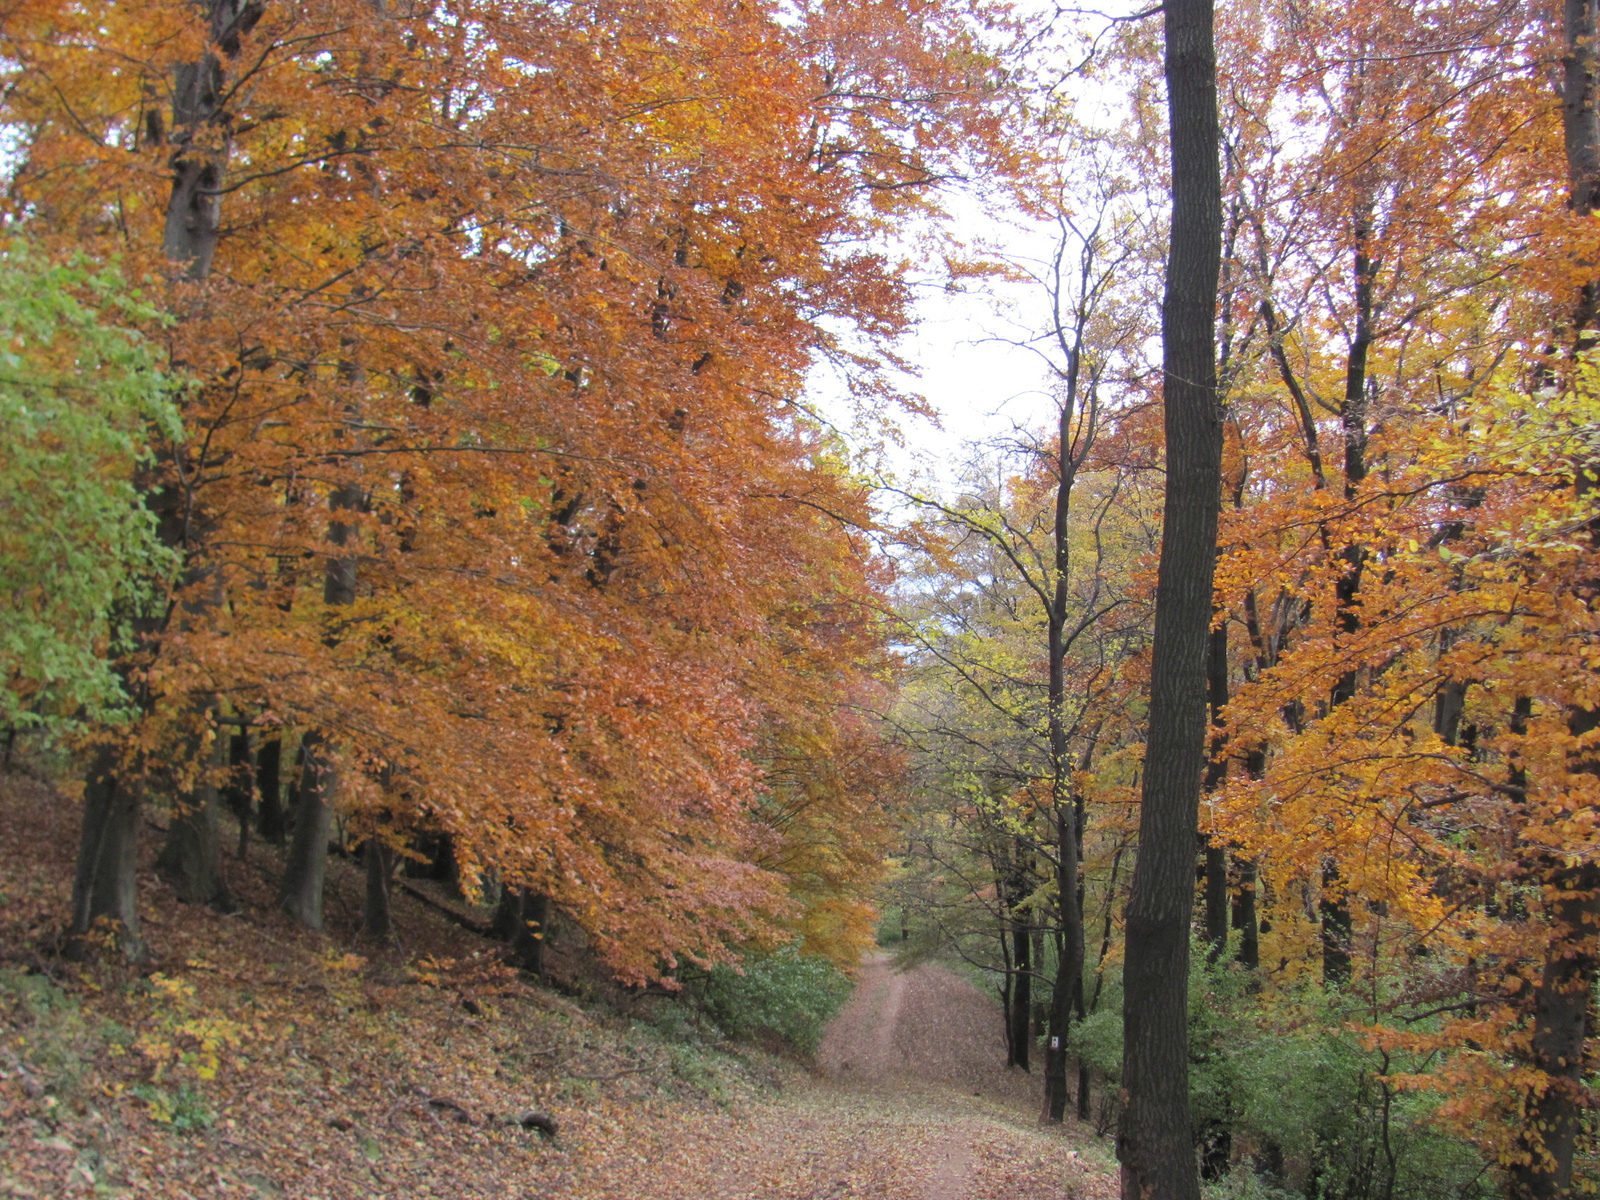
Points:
[(104, 889), (1155, 1139), (300, 894)]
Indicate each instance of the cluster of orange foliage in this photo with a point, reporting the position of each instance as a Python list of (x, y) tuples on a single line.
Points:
[(513, 304), (1408, 569)]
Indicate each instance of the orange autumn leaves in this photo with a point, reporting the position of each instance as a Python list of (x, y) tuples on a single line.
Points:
[(532, 290), (1407, 559)]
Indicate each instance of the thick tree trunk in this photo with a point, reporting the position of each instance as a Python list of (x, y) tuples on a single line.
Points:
[(300, 893), (105, 884), (105, 889), (201, 140), (1155, 1139), (523, 919), (1562, 1018), (191, 857), (1561, 1015)]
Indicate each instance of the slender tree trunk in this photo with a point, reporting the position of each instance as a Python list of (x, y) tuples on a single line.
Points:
[(1155, 1139), (1069, 976), (105, 888), (1007, 983), (269, 787), (1022, 987), (240, 792), (1216, 855), (376, 920), (1245, 920)]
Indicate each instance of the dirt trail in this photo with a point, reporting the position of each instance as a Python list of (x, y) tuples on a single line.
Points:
[(911, 1102)]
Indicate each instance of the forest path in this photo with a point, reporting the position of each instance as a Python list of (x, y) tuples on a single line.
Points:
[(911, 1101)]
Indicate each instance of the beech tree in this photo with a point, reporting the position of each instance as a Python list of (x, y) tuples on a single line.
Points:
[(498, 492), (1154, 1138)]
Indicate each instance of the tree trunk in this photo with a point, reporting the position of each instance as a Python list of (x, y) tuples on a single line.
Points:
[(1021, 988), (1562, 1002), (375, 914), (1333, 907), (201, 140), (240, 792), (191, 858), (1066, 998), (269, 787), (1244, 915), (1551, 1117), (105, 883), (105, 888), (300, 893), (523, 919), (1155, 1139)]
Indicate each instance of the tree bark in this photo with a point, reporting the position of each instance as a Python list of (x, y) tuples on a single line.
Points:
[(1562, 1019), (300, 893), (1022, 982), (523, 919), (1072, 449), (201, 141), (1245, 920), (1066, 998), (1155, 1139), (191, 857), (239, 794), (105, 884), (376, 920), (105, 888), (1551, 1117), (269, 787)]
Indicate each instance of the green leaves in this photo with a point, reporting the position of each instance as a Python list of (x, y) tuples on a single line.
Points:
[(82, 397)]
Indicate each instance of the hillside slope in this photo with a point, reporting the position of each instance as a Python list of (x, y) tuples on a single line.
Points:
[(251, 1058)]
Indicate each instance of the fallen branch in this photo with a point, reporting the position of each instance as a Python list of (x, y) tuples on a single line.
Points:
[(532, 1118)]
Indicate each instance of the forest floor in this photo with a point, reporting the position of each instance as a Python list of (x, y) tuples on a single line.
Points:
[(249, 1058)]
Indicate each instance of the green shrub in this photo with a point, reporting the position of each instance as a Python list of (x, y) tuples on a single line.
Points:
[(782, 1000), (184, 1109), (1299, 1095)]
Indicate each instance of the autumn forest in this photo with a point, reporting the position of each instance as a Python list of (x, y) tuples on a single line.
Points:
[(470, 448)]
